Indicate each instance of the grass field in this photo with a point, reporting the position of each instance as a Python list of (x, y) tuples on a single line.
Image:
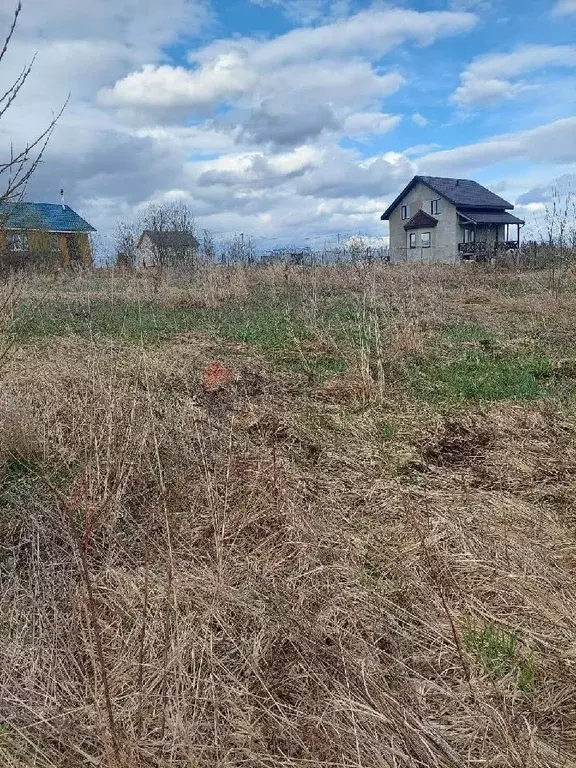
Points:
[(288, 517)]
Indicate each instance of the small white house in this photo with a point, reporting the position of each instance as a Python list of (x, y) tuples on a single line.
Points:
[(156, 248), (448, 220)]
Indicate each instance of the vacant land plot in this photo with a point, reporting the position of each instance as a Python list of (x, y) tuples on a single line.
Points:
[(286, 517)]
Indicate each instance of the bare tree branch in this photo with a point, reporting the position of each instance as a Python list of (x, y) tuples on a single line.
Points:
[(17, 13), (21, 165)]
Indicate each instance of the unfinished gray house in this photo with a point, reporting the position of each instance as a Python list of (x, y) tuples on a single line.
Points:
[(157, 248), (450, 220)]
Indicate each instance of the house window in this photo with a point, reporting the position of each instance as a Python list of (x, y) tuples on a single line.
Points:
[(404, 212), (54, 242), (435, 207), (469, 235), (425, 239), (17, 241), (413, 240)]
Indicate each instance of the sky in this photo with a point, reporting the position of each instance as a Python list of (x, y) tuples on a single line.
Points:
[(292, 121)]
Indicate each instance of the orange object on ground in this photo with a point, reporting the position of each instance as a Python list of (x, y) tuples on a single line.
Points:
[(216, 376)]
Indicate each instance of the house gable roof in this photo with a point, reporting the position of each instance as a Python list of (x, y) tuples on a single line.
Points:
[(42, 216), (421, 219), (460, 192), (172, 239)]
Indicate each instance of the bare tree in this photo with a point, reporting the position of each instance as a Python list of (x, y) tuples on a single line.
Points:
[(239, 249), (208, 246), (126, 240), (17, 169)]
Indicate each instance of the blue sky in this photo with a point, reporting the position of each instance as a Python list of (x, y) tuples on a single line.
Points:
[(293, 120)]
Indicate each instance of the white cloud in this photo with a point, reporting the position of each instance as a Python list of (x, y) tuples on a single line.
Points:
[(345, 175), (364, 124), (490, 78), (290, 89), (420, 120), (551, 143), (308, 11), (142, 25), (166, 86), (330, 62), (562, 187), (421, 149), (564, 7)]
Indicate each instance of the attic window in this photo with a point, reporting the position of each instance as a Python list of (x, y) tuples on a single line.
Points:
[(404, 212), (435, 207)]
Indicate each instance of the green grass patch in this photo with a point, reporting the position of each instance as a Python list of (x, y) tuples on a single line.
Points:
[(387, 430), (476, 375), (275, 326), (466, 332), (500, 654)]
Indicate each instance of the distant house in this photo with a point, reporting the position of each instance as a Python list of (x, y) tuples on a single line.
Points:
[(439, 219), (157, 248), (43, 232)]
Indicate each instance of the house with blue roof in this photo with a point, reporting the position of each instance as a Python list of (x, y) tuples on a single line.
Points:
[(450, 220), (44, 232)]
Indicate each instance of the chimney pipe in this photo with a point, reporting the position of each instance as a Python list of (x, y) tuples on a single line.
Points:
[(62, 199)]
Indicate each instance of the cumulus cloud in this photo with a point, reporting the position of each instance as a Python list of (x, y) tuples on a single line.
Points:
[(256, 170), (272, 123), (490, 78), (420, 120), (551, 143), (331, 62), (365, 124), (563, 186), (564, 7), (345, 175)]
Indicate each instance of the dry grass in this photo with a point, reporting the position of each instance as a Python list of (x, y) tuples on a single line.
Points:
[(271, 562)]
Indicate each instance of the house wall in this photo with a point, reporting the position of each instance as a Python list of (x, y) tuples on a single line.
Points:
[(85, 248), (145, 253), (444, 237), (40, 242)]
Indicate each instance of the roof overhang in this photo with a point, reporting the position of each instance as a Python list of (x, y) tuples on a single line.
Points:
[(489, 217), (421, 220), (48, 231)]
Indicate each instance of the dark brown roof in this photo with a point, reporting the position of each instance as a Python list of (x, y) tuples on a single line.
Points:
[(460, 192), (421, 219), (170, 239), (489, 217)]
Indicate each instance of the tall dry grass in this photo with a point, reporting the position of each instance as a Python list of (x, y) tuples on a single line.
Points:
[(241, 570)]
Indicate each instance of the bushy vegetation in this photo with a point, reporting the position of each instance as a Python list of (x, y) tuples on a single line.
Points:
[(288, 516)]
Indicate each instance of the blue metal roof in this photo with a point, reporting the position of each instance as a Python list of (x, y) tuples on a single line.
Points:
[(46, 216)]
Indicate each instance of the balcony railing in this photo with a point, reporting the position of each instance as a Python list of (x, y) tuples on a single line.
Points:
[(507, 245), (475, 248), (481, 248)]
